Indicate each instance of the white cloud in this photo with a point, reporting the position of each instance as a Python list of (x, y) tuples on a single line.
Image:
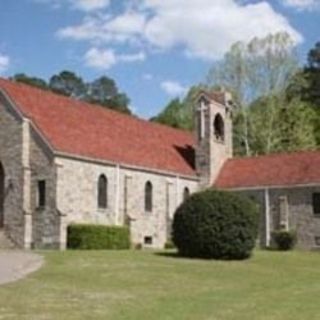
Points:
[(4, 63), (106, 58), (208, 28), (100, 59), (83, 5), (106, 29), (302, 4), (203, 28), (90, 5), (140, 56), (173, 88)]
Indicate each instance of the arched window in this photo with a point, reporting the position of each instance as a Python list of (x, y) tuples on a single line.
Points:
[(102, 192), (218, 126), (186, 193), (148, 197)]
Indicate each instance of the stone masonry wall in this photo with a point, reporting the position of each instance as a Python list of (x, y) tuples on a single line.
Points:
[(11, 140), (45, 220), (77, 197), (300, 213), (301, 217)]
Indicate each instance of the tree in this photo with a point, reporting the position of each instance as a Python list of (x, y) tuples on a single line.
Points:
[(171, 115), (260, 68), (104, 91), (69, 84), (278, 124), (312, 71), (179, 113), (32, 81), (306, 85)]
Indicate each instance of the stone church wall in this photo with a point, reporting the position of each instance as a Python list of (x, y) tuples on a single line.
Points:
[(300, 213), (46, 219), (77, 197), (11, 152), (301, 217)]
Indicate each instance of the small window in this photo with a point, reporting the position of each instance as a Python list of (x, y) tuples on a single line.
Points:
[(316, 203), (148, 197), (317, 241), (102, 192), (148, 240), (41, 193), (218, 126), (186, 193)]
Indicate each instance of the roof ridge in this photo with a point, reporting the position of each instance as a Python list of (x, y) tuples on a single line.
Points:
[(99, 106), (274, 155)]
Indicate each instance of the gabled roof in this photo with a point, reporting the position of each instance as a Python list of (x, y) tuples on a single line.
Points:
[(87, 130), (287, 169), (218, 96)]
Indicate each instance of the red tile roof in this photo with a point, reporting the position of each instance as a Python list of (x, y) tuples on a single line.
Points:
[(271, 170), (79, 128)]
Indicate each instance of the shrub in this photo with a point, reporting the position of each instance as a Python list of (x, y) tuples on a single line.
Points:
[(88, 236), (284, 240), (137, 246), (169, 245), (215, 224)]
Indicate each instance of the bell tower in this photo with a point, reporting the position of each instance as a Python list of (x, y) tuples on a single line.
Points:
[(213, 131)]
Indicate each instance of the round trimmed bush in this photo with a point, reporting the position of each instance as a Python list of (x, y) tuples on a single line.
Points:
[(215, 225), (284, 240)]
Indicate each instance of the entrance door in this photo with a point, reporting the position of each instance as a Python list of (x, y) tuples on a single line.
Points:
[(1, 195)]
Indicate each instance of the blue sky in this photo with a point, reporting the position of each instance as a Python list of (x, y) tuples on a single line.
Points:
[(154, 49)]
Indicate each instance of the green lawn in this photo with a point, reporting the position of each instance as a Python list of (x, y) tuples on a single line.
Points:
[(145, 285)]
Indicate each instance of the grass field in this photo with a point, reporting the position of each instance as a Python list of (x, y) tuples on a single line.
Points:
[(148, 285)]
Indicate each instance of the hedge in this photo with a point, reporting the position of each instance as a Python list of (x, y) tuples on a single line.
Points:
[(215, 225), (89, 236)]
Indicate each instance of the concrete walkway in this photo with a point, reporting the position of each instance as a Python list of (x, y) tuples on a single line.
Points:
[(15, 265)]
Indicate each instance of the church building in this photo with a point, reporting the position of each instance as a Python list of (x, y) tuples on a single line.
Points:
[(64, 161)]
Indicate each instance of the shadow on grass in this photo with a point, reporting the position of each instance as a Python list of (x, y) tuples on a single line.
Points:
[(169, 254)]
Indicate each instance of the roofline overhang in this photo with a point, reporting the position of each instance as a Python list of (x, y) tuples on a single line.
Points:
[(269, 187)]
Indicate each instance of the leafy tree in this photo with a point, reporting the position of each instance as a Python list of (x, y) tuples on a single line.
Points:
[(278, 124), (69, 84), (312, 72), (179, 113), (120, 102), (260, 68), (104, 91), (32, 81), (171, 115)]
